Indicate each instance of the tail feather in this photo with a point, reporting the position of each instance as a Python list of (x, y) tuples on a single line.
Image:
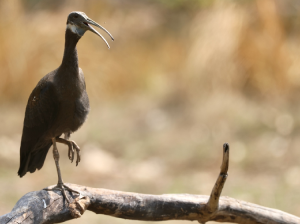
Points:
[(34, 160), (37, 160)]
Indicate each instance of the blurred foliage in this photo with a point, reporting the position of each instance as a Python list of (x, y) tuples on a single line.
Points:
[(181, 78)]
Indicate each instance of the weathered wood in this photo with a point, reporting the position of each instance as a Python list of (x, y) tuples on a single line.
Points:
[(46, 207), (31, 209), (213, 202)]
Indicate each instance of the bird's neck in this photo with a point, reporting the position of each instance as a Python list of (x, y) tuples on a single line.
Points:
[(70, 58)]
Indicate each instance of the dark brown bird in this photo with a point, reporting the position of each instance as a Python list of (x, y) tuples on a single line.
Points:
[(58, 105)]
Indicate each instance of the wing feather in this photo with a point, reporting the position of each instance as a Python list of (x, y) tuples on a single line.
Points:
[(41, 112)]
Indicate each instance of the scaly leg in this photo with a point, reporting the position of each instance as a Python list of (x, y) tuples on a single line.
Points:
[(72, 145), (67, 135), (60, 185)]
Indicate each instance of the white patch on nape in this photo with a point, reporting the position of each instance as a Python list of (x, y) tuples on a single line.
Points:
[(72, 27)]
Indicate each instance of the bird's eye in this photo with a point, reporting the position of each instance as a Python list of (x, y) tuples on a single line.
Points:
[(76, 16)]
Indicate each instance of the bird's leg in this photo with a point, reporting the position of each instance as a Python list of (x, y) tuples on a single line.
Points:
[(67, 135), (56, 159), (72, 145), (60, 185)]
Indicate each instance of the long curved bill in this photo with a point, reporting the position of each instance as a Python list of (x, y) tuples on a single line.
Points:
[(89, 21)]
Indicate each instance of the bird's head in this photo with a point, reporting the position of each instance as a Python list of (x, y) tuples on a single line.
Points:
[(78, 23)]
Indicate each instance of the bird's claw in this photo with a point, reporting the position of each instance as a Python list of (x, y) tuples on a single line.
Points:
[(78, 158), (62, 187), (70, 151), (72, 145), (71, 154)]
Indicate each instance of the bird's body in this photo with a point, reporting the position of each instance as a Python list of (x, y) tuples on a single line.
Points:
[(58, 105)]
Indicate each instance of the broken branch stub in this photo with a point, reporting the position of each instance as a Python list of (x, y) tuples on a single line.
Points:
[(213, 201)]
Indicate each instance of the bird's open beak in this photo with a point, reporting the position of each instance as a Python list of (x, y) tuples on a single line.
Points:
[(89, 21)]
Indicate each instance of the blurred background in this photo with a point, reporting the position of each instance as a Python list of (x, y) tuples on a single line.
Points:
[(181, 78)]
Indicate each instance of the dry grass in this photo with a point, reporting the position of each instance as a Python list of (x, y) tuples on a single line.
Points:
[(179, 81)]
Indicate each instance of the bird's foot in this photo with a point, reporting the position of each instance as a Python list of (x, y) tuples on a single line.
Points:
[(73, 147), (78, 158), (71, 152), (62, 188)]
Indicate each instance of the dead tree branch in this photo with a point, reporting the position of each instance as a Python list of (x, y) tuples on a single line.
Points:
[(47, 207)]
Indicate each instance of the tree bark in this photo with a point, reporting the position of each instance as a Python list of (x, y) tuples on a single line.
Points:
[(47, 207)]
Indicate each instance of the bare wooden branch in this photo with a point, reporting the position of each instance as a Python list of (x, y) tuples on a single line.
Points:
[(213, 202), (46, 207)]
